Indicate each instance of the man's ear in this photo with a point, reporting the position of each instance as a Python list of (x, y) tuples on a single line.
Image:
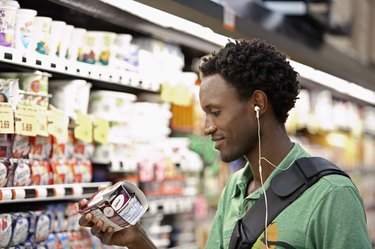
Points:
[(259, 99)]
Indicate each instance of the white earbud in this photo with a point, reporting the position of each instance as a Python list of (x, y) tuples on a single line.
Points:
[(257, 109)]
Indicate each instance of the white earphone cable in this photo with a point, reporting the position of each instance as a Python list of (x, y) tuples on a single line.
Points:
[(277, 168), (261, 177), (261, 180)]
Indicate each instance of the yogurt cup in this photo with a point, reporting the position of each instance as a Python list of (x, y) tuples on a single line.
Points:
[(24, 28), (75, 44), (8, 12), (62, 47), (41, 29), (55, 36)]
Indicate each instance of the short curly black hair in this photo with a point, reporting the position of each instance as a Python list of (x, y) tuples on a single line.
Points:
[(250, 65)]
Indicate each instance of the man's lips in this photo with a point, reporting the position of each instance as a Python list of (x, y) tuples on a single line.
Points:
[(218, 141)]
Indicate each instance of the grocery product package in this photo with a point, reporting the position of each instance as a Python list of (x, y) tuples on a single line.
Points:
[(119, 206)]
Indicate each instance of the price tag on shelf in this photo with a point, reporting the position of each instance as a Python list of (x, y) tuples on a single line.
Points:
[(179, 94), (58, 191), (5, 194), (41, 192), (26, 121), (83, 128), (42, 123), (6, 118), (101, 129), (77, 190), (18, 194), (57, 123)]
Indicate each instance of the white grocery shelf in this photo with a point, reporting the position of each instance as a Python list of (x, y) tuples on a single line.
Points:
[(74, 191), (76, 69)]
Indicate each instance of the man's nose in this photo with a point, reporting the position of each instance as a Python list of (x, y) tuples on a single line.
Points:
[(209, 126)]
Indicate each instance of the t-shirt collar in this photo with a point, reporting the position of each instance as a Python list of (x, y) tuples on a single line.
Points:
[(246, 175)]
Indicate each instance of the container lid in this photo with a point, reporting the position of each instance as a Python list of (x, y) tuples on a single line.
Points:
[(28, 12), (123, 38), (79, 29), (46, 18), (11, 3), (113, 94), (55, 22)]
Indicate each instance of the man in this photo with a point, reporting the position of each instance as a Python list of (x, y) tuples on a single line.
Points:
[(247, 90)]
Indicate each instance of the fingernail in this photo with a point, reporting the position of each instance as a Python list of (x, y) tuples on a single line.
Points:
[(88, 217)]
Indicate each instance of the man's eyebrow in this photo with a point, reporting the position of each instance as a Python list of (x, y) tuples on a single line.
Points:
[(207, 107)]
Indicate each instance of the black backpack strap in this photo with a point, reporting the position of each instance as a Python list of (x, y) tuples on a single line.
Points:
[(284, 189)]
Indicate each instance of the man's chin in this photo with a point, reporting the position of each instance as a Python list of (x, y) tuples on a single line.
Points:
[(228, 158)]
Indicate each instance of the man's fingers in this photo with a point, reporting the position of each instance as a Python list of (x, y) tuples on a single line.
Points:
[(101, 187), (86, 220), (97, 229), (82, 203), (107, 236)]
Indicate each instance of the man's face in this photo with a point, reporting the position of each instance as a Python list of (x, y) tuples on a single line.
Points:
[(229, 120)]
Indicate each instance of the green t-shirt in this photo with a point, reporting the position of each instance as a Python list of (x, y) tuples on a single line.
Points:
[(328, 215)]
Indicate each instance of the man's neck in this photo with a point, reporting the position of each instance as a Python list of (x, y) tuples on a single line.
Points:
[(274, 150)]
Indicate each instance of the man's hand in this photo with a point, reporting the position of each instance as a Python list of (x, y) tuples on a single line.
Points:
[(131, 237)]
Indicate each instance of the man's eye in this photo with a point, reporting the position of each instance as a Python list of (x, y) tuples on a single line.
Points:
[(215, 113)]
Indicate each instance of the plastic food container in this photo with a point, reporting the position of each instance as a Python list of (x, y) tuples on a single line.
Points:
[(91, 47), (24, 28), (55, 35), (106, 47), (62, 47), (111, 103), (41, 28), (35, 82), (96, 47), (8, 12), (75, 44), (70, 95), (118, 206)]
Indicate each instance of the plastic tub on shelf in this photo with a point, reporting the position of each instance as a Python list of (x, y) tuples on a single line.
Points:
[(107, 44), (96, 47), (62, 47), (41, 28), (75, 43), (111, 103), (55, 36), (70, 95), (8, 12), (24, 28)]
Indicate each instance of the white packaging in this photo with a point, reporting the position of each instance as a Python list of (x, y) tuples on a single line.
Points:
[(55, 35), (118, 206), (5, 229), (62, 47), (121, 46), (8, 12), (106, 46), (75, 43), (111, 104), (96, 47), (24, 28), (91, 46), (70, 95), (10, 88), (41, 28)]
